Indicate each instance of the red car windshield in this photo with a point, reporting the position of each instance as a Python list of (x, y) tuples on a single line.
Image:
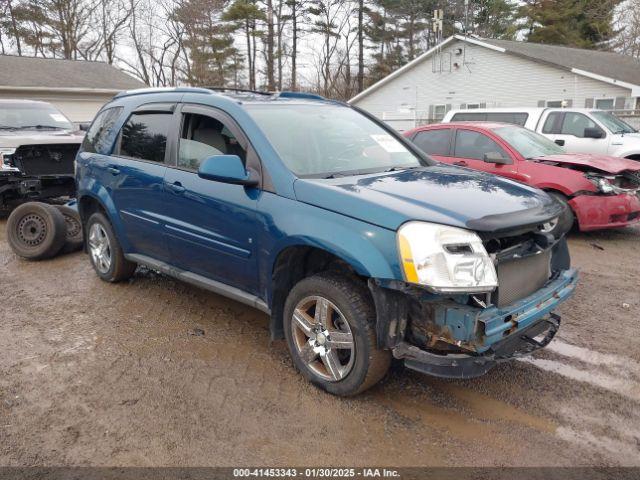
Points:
[(527, 143)]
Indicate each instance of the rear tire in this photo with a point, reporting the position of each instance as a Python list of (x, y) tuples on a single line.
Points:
[(105, 252), (36, 231), (337, 350), (73, 238)]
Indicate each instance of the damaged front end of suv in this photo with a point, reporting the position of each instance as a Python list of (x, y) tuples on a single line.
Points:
[(471, 300)]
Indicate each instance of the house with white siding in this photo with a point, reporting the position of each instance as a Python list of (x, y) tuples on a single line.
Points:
[(469, 72)]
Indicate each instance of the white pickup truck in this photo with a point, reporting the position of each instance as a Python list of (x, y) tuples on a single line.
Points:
[(578, 130)]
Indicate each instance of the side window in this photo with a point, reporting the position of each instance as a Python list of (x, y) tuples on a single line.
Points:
[(575, 123), (508, 117), (434, 142), (202, 137), (469, 117), (551, 124), (474, 145), (144, 136), (99, 137)]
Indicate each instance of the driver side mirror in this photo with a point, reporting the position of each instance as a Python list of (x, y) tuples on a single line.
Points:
[(227, 169), (495, 157), (593, 132)]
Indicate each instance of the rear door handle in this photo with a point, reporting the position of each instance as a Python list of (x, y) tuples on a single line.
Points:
[(176, 187), (560, 142), (113, 170), (461, 163)]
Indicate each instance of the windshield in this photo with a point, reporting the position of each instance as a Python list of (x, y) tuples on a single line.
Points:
[(330, 140), (527, 143), (613, 123), (32, 116)]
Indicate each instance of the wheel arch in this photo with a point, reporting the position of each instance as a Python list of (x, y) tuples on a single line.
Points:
[(99, 201), (297, 261)]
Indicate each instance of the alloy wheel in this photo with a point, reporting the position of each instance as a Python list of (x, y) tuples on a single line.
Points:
[(100, 248), (323, 338)]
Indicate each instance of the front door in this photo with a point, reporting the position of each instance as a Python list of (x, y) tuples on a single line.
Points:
[(567, 129), (470, 148), (210, 226)]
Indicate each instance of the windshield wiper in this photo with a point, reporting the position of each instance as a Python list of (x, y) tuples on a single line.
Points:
[(7, 127), (41, 127), (398, 169)]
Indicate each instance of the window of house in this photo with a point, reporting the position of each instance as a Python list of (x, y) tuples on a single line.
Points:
[(97, 139), (203, 137), (554, 103), (439, 112), (575, 123), (475, 145), (144, 136), (472, 106), (434, 142), (605, 103)]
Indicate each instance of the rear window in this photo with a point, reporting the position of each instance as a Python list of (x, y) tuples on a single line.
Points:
[(144, 136), (434, 142), (100, 136), (516, 118)]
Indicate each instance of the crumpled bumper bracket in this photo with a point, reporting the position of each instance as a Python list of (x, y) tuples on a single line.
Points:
[(471, 366)]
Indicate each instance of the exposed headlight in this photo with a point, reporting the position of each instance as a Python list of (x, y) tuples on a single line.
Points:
[(602, 184), (445, 259)]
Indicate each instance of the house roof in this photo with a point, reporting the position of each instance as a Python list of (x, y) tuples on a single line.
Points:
[(608, 64), (604, 66), (56, 74)]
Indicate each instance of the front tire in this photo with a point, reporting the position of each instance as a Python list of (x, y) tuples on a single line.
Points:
[(567, 220), (329, 325), (105, 252)]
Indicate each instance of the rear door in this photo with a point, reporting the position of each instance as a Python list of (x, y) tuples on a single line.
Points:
[(210, 226), (435, 142), (470, 147), (137, 168)]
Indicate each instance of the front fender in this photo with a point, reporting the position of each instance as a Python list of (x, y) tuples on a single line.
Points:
[(370, 250)]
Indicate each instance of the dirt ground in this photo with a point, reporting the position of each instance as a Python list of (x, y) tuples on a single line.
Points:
[(113, 375)]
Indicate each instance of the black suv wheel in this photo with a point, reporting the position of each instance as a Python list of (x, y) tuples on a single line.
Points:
[(329, 326), (105, 252)]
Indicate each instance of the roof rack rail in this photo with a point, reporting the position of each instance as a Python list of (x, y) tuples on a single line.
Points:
[(239, 90)]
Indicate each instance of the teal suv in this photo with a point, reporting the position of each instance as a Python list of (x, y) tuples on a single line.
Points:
[(358, 246)]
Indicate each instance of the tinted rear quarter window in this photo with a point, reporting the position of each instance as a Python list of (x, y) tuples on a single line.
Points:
[(434, 142), (514, 118), (144, 136), (100, 136), (469, 117)]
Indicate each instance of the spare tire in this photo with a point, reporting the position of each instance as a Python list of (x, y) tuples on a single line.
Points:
[(73, 237), (36, 231)]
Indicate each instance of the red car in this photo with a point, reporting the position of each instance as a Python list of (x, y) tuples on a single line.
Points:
[(602, 191)]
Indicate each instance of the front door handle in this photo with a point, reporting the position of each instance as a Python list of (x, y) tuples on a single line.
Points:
[(176, 187), (461, 163), (113, 170), (560, 142)]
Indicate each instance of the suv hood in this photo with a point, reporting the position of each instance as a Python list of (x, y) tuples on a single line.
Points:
[(588, 162), (16, 138), (440, 194)]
